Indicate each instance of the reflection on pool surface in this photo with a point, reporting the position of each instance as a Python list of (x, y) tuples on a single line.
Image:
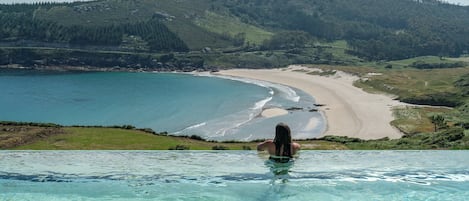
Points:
[(233, 175)]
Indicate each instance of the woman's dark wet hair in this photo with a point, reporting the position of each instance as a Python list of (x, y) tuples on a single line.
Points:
[(282, 140)]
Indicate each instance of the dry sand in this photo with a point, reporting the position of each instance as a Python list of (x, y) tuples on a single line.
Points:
[(349, 110)]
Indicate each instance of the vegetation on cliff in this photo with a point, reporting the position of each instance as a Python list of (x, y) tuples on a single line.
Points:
[(237, 32)]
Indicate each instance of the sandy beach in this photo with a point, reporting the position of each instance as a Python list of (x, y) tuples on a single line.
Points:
[(349, 110)]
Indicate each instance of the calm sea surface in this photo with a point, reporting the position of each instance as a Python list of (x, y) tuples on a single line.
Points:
[(213, 107)]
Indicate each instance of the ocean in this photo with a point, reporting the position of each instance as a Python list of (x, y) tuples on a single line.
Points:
[(213, 107)]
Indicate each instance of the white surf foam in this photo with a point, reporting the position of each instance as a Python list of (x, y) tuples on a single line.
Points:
[(227, 125), (283, 90), (260, 104)]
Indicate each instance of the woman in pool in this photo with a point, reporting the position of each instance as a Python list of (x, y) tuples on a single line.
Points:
[(281, 148)]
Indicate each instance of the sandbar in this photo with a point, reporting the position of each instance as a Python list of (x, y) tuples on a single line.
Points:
[(349, 110), (273, 112)]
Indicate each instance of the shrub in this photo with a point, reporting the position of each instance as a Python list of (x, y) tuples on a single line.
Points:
[(452, 134), (196, 137), (446, 138), (128, 127), (463, 84), (424, 65), (219, 147), (340, 139), (147, 130), (179, 147), (12, 123), (436, 99)]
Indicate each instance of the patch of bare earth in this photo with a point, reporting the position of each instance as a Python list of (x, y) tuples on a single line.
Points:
[(12, 136)]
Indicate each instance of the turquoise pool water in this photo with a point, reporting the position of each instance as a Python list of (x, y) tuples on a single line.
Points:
[(233, 175)]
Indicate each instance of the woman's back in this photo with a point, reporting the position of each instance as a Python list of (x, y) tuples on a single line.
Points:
[(281, 146), (269, 145)]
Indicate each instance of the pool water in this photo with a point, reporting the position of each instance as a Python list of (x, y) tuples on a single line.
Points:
[(233, 175)]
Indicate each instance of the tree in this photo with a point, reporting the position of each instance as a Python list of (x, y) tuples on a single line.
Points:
[(288, 40), (438, 121)]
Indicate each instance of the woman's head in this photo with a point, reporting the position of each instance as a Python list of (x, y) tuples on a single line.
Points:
[(282, 134)]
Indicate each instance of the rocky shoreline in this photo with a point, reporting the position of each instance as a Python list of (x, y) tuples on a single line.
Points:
[(86, 60), (108, 69)]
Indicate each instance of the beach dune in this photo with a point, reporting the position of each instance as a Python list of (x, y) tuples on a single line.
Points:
[(349, 110)]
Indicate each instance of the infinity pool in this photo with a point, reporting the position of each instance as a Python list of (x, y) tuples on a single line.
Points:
[(233, 175)]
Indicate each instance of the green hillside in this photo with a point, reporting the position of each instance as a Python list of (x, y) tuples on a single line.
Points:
[(209, 34), (178, 16), (374, 30)]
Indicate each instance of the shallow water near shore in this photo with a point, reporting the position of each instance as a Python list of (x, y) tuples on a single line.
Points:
[(213, 107), (233, 175)]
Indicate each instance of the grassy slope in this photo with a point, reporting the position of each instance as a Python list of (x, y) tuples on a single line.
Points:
[(224, 24), (426, 59), (113, 138), (417, 142), (403, 82), (185, 13), (195, 37), (100, 12), (413, 120), (179, 17), (464, 58), (339, 51), (120, 139)]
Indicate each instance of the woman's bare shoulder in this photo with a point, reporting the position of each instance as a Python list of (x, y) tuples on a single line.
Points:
[(264, 145), (296, 145)]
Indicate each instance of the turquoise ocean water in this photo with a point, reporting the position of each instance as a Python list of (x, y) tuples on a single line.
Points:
[(212, 107), (38, 1), (234, 175)]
